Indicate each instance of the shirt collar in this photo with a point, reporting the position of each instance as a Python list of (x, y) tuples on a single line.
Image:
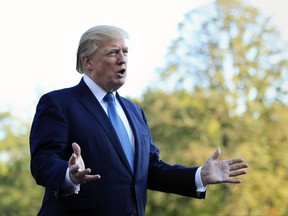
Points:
[(97, 91)]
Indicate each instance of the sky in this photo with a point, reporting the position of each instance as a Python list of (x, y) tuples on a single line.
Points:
[(39, 40)]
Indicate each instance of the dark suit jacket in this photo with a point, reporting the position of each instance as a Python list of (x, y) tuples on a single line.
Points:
[(75, 115)]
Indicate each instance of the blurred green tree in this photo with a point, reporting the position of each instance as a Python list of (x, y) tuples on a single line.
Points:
[(19, 194), (224, 84)]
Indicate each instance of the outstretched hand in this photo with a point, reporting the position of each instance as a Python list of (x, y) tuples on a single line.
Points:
[(215, 172), (77, 171)]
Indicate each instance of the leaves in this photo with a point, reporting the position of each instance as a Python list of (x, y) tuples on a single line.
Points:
[(224, 85), (228, 70), (19, 194)]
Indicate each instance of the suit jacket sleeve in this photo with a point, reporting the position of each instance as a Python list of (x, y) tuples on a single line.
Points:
[(177, 179), (48, 141)]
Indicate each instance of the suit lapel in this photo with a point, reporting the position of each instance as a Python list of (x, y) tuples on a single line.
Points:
[(88, 100)]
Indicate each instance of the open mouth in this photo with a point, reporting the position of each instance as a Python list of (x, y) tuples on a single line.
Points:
[(122, 71)]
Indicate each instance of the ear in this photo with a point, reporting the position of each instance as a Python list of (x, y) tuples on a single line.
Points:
[(86, 62)]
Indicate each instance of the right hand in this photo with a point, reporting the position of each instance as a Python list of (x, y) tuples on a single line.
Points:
[(220, 171), (77, 171)]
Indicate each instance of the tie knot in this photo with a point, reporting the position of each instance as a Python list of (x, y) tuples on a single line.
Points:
[(109, 97)]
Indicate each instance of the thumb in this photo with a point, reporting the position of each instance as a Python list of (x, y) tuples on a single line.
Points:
[(76, 149), (216, 154)]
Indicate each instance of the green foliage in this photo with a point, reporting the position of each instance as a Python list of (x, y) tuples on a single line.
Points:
[(228, 47), (262, 141), (19, 194), (227, 75)]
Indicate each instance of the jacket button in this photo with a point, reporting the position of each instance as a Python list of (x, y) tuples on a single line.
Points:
[(132, 214)]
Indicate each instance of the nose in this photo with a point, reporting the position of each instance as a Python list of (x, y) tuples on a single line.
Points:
[(121, 58)]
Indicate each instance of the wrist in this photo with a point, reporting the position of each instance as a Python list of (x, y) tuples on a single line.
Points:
[(202, 175)]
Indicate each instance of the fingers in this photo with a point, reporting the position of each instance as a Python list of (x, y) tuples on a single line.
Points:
[(81, 177), (236, 169), (74, 169), (76, 149), (77, 171), (92, 177), (233, 181), (238, 166), (234, 160), (223, 171), (237, 173), (72, 160), (216, 154)]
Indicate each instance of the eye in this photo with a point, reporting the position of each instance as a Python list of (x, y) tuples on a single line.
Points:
[(125, 52), (113, 53)]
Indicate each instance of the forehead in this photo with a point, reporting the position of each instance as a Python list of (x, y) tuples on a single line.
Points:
[(120, 43)]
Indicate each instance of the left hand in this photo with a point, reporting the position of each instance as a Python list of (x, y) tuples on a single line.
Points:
[(77, 171), (216, 172)]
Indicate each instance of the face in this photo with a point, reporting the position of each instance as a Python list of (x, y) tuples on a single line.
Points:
[(108, 66)]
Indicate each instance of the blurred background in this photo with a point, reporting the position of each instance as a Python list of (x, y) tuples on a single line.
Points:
[(215, 72)]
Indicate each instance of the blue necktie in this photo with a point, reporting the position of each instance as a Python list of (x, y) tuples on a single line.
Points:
[(119, 128)]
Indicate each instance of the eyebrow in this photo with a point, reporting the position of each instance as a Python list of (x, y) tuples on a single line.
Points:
[(114, 48)]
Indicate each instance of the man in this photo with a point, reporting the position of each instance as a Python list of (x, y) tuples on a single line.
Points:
[(76, 125)]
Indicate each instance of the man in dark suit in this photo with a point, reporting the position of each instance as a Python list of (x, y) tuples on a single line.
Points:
[(76, 125)]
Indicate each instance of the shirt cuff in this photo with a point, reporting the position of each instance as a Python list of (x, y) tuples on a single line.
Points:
[(198, 181), (68, 185)]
